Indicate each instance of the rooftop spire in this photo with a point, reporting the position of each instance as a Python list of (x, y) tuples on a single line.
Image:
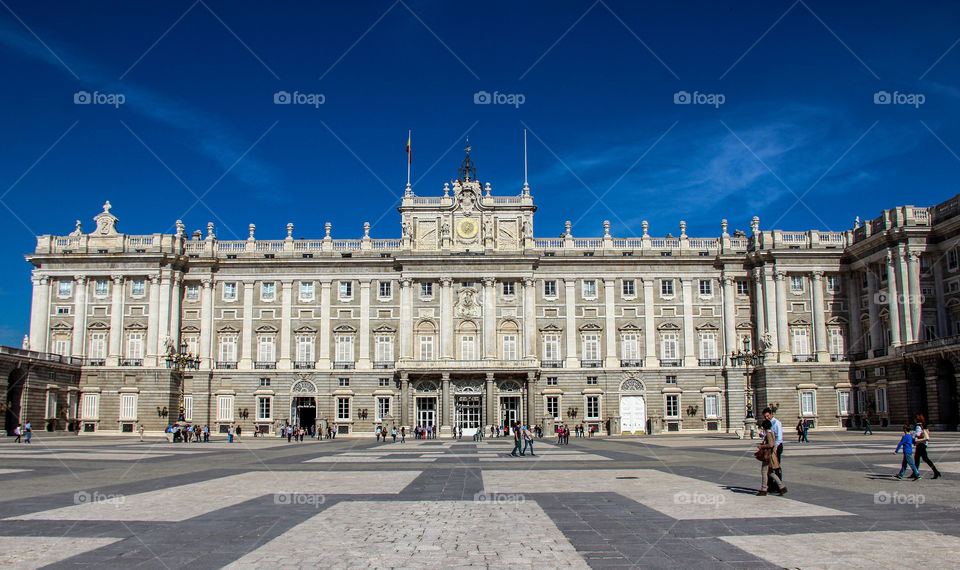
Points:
[(468, 171)]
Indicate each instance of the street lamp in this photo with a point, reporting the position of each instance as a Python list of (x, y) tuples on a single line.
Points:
[(748, 358), (180, 360)]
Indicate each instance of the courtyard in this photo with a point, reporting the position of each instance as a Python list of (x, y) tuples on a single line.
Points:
[(655, 502)]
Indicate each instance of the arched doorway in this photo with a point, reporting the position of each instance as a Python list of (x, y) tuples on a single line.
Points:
[(633, 407), (15, 384), (949, 414), (303, 404), (916, 391)]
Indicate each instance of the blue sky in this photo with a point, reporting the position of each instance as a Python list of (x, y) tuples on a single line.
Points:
[(798, 139)]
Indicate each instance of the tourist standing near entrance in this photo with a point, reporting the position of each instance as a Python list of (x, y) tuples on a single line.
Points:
[(517, 451), (921, 436)]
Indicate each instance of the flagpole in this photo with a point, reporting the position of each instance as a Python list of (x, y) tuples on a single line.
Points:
[(526, 187), (409, 156)]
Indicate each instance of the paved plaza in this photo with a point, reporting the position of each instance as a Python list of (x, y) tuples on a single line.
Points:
[(654, 502)]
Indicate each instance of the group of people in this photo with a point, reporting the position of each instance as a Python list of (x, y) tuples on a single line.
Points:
[(425, 432), (23, 433), (803, 426), (177, 433), (563, 434), (914, 448), (383, 432), (522, 434)]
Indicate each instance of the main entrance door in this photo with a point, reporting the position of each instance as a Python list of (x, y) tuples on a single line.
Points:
[(468, 414), (633, 414), (426, 412), (304, 412), (509, 410)]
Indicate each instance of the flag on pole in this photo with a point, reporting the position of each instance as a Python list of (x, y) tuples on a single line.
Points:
[(409, 149)]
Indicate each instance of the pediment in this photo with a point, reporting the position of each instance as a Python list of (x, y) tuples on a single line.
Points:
[(551, 328), (264, 329), (668, 326), (98, 326), (136, 326), (799, 322), (305, 329), (190, 329), (61, 326), (344, 329), (836, 321), (710, 326), (384, 328), (745, 326), (228, 329), (630, 327), (591, 327)]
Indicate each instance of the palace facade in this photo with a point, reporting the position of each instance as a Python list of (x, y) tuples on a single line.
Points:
[(468, 320)]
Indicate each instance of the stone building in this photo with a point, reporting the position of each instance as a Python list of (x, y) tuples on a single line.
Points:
[(468, 320), (42, 389)]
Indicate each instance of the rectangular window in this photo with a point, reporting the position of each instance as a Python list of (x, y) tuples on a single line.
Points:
[(346, 289), (743, 288), (666, 287), (268, 291), (188, 408), (629, 288), (305, 349), (229, 291), (426, 289), (384, 290), (708, 346), (228, 349), (670, 379), (383, 348), (711, 406), (836, 341), (808, 403), (91, 407), (224, 408), (343, 408), (266, 349), (128, 407), (467, 350), (64, 288), (509, 347), (881, 403), (343, 382), (191, 342), (668, 346), (509, 287), (630, 346), (306, 290), (592, 380), (101, 288), (593, 407), (549, 288), (383, 382), (553, 407), (591, 347), (61, 346), (552, 380), (929, 332), (952, 259), (263, 408), (589, 288), (193, 292), (98, 346), (135, 345), (796, 284), (51, 405), (843, 400), (861, 401), (344, 347), (673, 406), (426, 347), (833, 284), (264, 381), (383, 408), (551, 347), (72, 406), (801, 342), (706, 287), (138, 288)]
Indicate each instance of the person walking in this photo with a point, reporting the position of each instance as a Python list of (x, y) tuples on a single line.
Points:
[(799, 431), (528, 441), (403, 434), (866, 426), (906, 443), (18, 432), (229, 434), (766, 453), (140, 429), (206, 434), (29, 432), (393, 432), (777, 428), (921, 436), (517, 451)]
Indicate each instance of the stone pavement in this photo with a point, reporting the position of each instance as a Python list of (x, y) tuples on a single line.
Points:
[(654, 502)]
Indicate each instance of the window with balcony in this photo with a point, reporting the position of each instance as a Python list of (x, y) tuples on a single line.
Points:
[(468, 347), (801, 345), (669, 350), (591, 350), (426, 347), (708, 349), (228, 352), (383, 351), (551, 351), (835, 341), (509, 347), (343, 355), (134, 349), (630, 350), (266, 352), (97, 351), (305, 354)]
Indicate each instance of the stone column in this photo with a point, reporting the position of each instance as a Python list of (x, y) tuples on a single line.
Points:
[(246, 334), (80, 317), (116, 319), (445, 404), (943, 327), (446, 318), (489, 319), (903, 285), (206, 324), (877, 332), (286, 300), (531, 398), (406, 319), (570, 299), (363, 362), (758, 306), (689, 354), (610, 323), (323, 362), (163, 324), (491, 401), (529, 318), (819, 324), (40, 313), (153, 322), (913, 283), (405, 400), (649, 326), (852, 290), (892, 304), (770, 298), (783, 338), (175, 293), (729, 315)]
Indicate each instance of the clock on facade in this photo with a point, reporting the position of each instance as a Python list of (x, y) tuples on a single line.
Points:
[(467, 227)]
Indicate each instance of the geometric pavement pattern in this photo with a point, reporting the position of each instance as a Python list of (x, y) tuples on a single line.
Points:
[(666, 501)]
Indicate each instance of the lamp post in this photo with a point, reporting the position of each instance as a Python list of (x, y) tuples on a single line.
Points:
[(180, 360), (748, 358)]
